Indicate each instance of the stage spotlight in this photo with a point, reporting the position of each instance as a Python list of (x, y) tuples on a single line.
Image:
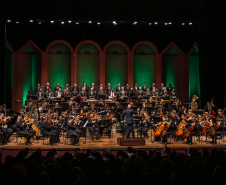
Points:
[(166, 23), (114, 22), (156, 22), (62, 22), (52, 21), (98, 23), (183, 24), (170, 22), (39, 22), (77, 23), (8, 20), (90, 22), (31, 21), (69, 21), (17, 22), (190, 23), (150, 23), (134, 23)]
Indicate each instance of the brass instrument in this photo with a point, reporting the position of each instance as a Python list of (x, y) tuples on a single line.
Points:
[(194, 105)]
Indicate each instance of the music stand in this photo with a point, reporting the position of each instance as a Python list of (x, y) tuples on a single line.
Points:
[(65, 105), (106, 122), (44, 110), (50, 106), (111, 104), (146, 97), (67, 98), (149, 109), (99, 105), (140, 105), (83, 103), (102, 96), (134, 98)]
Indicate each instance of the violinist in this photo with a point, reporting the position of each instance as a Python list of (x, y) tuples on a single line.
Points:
[(7, 128), (72, 127), (46, 131), (56, 128), (20, 126), (105, 117), (92, 93), (145, 125), (92, 128), (171, 130), (196, 128)]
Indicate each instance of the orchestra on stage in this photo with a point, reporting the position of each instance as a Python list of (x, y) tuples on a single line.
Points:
[(71, 112)]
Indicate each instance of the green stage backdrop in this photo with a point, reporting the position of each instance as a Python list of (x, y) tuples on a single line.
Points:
[(59, 69), (144, 69), (116, 69), (88, 69)]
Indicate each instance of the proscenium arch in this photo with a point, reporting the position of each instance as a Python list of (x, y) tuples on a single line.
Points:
[(94, 46), (151, 49), (102, 65), (88, 55), (56, 47)]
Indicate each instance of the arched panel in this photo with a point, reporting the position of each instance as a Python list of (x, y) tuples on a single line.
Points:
[(88, 64), (194, 79), (28, 69), (116, 63), (174, 70), (59, 63), (144, 64)]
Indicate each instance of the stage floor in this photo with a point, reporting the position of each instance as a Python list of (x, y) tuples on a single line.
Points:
[(107, 143)]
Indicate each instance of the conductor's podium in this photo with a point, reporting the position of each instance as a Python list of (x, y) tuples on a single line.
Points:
[(131, 141)]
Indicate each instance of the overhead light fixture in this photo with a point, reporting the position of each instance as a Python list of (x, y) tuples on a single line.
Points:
[(17, 22), (114, 22), (31, 21), (150, 23), (39, 22), (8, 20), (90, 22), (183, 23), (98, 23), (166, 23), (69, 21), (134, 23), (156, 22), (62, 22), (77, 23), (190, 23), (170, 22), (52, 21)]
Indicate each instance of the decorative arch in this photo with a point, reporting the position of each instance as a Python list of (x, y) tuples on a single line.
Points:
[(145, 48), (193, 72), (174, 66), (30, 48), (115, 47), (82, 49), (59, 47)]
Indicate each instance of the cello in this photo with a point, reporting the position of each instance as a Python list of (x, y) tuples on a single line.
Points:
[(180, 128)]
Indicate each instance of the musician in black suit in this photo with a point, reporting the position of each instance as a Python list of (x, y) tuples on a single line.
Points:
[(8, 131), (56, 88), (144, 88), (195, 131), (40, 93), (140, 92), (145, 125), (2, 135), (37, 88), (220, 131), (156, 92), (173, 94), (162, 87), (46, 131), (59, 93), (148, 92), (109, 87), (22, 131), (92, 127), (85, 87), (49, 94), (101, 92), (128, 89), (122, 93), (83, 93), (135, 87), (67, 92), (92, 93), (129, 120), (75, 87), (118, 88), (67, 86), (93, 86), (71, 131), (47, 87), (171, 130), (165, 94), (152, 88), (112, 93), (170, 88), (75, 92), (210, 106)]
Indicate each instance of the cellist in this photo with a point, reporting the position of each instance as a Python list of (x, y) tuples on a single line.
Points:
[(195, 131), (171, 130), (220, 131)]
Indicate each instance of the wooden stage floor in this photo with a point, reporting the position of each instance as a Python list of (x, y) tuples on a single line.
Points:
[(106, 143)]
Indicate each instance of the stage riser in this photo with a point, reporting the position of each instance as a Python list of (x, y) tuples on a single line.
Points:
[(131, 142)]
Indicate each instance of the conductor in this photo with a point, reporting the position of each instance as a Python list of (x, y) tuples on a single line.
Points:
[(129, 120)]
